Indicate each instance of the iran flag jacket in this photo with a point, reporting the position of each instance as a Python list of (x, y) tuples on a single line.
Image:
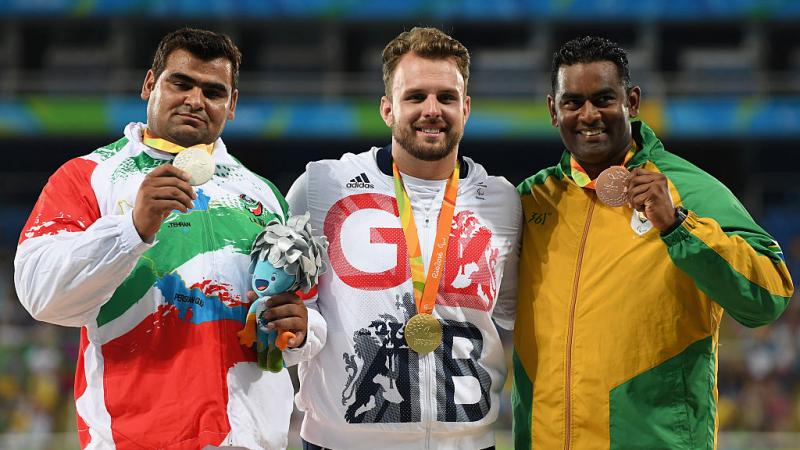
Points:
[(160, 365)]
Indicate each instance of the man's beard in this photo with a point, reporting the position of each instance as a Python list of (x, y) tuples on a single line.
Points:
[(407, 138)]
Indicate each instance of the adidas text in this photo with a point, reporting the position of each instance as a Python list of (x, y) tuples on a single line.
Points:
[(360, 182), (361, 185)]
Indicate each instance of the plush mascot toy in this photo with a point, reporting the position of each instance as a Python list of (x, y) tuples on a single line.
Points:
[(284, 258)]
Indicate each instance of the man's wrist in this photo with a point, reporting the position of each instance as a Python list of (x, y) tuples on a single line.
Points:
[(680, 215)]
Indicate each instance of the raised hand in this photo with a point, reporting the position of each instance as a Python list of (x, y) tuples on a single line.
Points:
[(163, 190), (648, 192)]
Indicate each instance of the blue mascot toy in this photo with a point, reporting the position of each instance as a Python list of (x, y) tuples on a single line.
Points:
[(284, 258)]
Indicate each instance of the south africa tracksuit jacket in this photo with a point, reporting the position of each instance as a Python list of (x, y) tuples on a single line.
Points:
[(617, 328)]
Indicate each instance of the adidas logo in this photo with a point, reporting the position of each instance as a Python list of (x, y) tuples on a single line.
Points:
[(361, 182)]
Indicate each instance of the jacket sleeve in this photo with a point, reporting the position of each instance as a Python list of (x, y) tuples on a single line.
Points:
[(69, 259), (739, 266), (505, 311), (315, 336), (317, 327)]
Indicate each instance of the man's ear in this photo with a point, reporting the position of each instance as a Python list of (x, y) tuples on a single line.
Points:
[(634, 96), (467, 108), (386, 111), (148, 85), (232, 109), (551, 107)]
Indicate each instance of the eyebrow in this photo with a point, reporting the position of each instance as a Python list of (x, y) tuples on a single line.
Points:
[(207, 85), (574, 95), (413, 91)]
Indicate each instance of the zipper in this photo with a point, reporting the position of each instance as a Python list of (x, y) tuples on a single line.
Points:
[(212, 268), (570, 326), (426, 360), (427, 392), (430, 397)]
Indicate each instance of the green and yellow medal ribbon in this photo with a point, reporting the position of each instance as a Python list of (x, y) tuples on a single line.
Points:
[(151, 140), (425, 288)]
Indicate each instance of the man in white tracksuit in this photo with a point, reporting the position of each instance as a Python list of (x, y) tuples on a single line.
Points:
[(155, 272), (420, 239)]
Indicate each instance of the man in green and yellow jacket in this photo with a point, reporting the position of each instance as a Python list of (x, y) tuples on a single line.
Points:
[(619, 307)]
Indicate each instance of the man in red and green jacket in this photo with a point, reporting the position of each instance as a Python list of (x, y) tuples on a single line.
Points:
[(619, 307), (155, 271)]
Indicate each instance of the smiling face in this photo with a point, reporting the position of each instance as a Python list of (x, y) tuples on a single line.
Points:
[(190, 102), (270, 280), (591, 109), (428, 107)]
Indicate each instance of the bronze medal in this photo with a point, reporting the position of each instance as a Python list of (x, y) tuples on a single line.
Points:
[(610, 186), (423, 333)]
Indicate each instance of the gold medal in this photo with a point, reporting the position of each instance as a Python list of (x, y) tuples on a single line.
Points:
[(423, 333)]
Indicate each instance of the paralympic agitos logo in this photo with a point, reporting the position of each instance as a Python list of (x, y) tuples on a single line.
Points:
[(364, 232)]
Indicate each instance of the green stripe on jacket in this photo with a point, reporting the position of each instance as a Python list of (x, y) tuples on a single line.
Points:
[(522, 405), (231, 227), (671, 406), (750, 304)]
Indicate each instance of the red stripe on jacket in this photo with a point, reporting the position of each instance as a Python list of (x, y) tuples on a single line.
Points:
[(67, 202)]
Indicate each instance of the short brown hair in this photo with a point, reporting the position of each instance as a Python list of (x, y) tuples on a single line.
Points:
[(203, 44), (427, 43)]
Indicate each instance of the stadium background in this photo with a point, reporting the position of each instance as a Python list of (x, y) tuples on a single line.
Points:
[(721, 83)]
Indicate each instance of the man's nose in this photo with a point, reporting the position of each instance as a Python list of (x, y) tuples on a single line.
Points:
[(432, 107), (589, 113), (194, 98)]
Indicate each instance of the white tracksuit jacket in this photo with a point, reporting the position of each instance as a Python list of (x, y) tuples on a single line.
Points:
[(366, 389), (160, 365)]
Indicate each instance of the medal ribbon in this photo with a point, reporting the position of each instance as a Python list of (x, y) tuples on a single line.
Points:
[(425, 288), (151, 140), (582, 178)]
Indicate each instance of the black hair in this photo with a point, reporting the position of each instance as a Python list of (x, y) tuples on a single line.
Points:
[(590, 49), (204, 44)]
